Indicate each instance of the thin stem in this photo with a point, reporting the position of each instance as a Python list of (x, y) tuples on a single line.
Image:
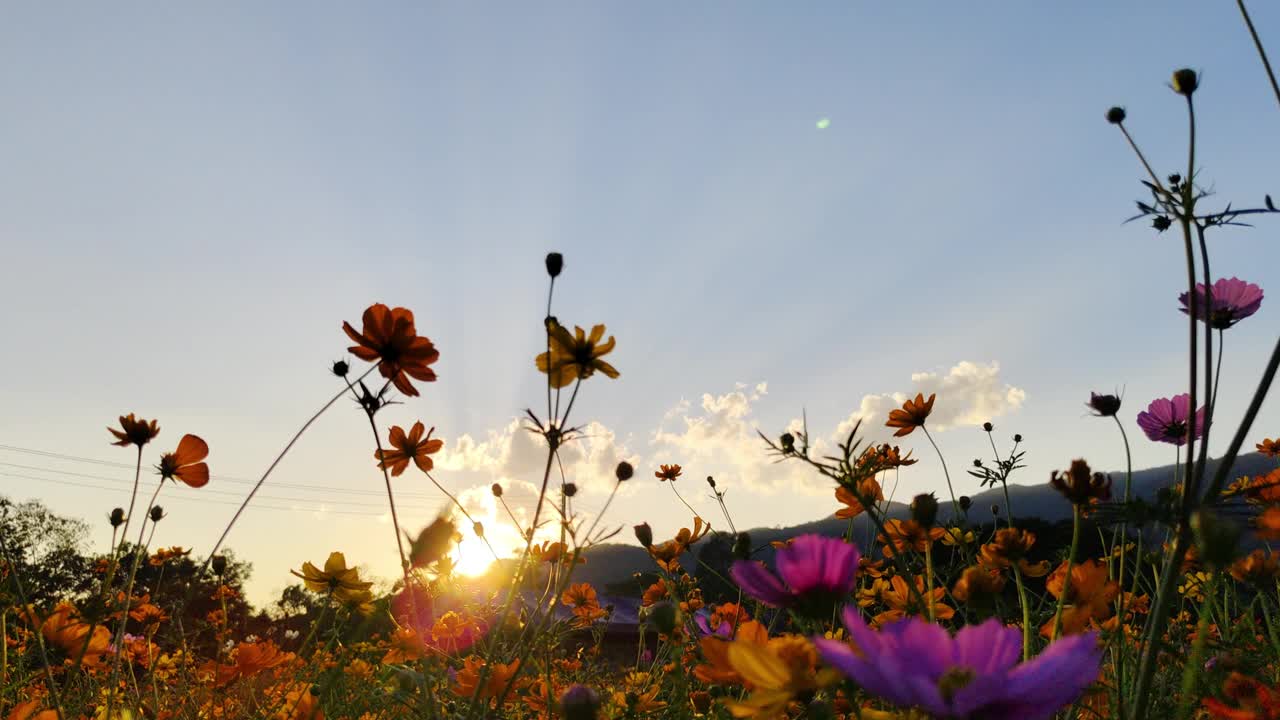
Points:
[(686, 504), (395, 522), (1209, 384), (955, 506), (928, 582), (39, 633), (256, 486), (1026, 613), (1192, 670), (1066, 580), (1257, 43)]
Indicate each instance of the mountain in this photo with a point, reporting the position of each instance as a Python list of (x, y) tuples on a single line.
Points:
[(614, 565)]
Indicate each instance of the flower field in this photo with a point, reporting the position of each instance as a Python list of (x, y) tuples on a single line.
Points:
[(1138, 607)]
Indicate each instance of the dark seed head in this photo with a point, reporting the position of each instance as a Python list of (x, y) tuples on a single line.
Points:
[(555, 263), (624, 471), (1115, 115)]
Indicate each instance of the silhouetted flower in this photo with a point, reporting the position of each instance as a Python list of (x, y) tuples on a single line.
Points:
[(1165, 420), (185, 463), (1233, 300), (390, 339), (404, 448), (911, 416), (1080, 484), (1104, 405), (134, 431)]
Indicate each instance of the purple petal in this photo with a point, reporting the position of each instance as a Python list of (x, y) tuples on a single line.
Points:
[(760, 583), (989, 648)]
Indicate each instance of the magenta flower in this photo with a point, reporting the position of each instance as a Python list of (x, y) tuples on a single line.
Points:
[(817, 572), (1165, 420), (913, 663), (1233, 300)]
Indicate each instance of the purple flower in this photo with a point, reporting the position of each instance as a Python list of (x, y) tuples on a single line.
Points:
[(1165, 420), (703, 619), (1233, 300), (913, 663), (817, 572)]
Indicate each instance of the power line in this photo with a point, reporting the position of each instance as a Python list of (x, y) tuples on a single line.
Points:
[(203, 491), (183, 498), (219, 478)]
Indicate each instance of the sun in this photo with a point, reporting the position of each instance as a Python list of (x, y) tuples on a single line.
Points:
[(472, 558)]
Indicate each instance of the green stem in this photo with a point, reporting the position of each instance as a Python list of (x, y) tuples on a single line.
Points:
[(1192, 669), (1066, 580), (1026, 613)]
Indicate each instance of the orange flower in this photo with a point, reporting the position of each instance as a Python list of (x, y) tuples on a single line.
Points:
[(667, 554), (574, 357), (495, 685), (28, 711), (134, 431), (65, 629), (1088, 598), (185, 463), (902, 602), (779, 671), (553, 552), (585, 603), (911, 416), (1010, 547), (668, 472), (903, 534), (1263, 489), (654, 593), (251, 659), (868, 489), (1270, 448), (1267, 525), (391, 340), (978, 586), (300, 703), (406, 646), (1253, 700), (1080, 484), (413, 447), (1257, 568)]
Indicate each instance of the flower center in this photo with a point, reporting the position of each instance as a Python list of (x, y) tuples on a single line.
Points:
[(954, 680)]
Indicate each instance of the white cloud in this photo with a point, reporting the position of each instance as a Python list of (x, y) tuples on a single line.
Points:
[(968, 394)]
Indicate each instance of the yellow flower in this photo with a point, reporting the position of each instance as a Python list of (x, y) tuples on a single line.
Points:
[(956, 536), (779, 670), (574, 356), (336, 579)]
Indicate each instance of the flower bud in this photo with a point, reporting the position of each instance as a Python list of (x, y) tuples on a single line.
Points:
[(966, 502), (579, 702), (712, 482), (742, 546), (341, 368), (664, 617), (496, 489), (995, 509), (1185, 81), (924, 510), (116, 518), (644, 534), (701, 700), (624, 471), (1161, 223), (1115, 115), (1105, 405), (478, 529), (788, 442), (570, 489), (555, 263), (219, 564), (1017, 438), (157, 513), (988, 426)]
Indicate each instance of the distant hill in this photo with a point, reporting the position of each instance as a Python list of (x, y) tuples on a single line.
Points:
[(615, 564)]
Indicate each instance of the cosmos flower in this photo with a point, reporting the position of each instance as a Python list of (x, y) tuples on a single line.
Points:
[(336, 578), (404, 448), (1080, 484), (911, 416), (976, 673), (574, 356), (779, 670), (134, 431), (185, 463), (1104, 405), (1165, 420), (389, 338), (668, 472), (1233, 300), (815, 571)]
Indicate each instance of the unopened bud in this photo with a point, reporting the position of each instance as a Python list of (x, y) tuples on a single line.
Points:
[(478, 529), (219, 564), (644, 534), (966, 502), (624, 471), (788, 442), (924, 510), (116, 518), (341, 368), (712, 482), (1185, 81), (555, 263), (496, 489), (1115, 115), (742, 546), (580, 702), (570, 489), (157, 513), (988, 426)]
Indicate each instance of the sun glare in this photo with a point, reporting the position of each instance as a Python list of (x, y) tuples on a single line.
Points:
[(472, 558)]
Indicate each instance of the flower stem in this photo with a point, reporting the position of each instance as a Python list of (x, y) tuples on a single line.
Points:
[(955, 505), (1192, 669), (1066, 580), (1026, 613)]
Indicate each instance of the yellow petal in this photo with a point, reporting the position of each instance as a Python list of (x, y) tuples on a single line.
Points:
[(759, 666)]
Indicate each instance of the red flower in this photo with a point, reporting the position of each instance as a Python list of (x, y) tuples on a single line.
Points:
[(391, 340), (413, 447), (185, 463)]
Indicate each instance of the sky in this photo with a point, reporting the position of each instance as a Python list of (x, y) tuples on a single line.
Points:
[(193, 200)]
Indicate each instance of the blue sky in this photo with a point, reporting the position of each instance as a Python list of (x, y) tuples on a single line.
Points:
[(192, 200)]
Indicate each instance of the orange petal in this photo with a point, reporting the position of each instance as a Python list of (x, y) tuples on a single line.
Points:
[(194, 475), (191, 449)]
